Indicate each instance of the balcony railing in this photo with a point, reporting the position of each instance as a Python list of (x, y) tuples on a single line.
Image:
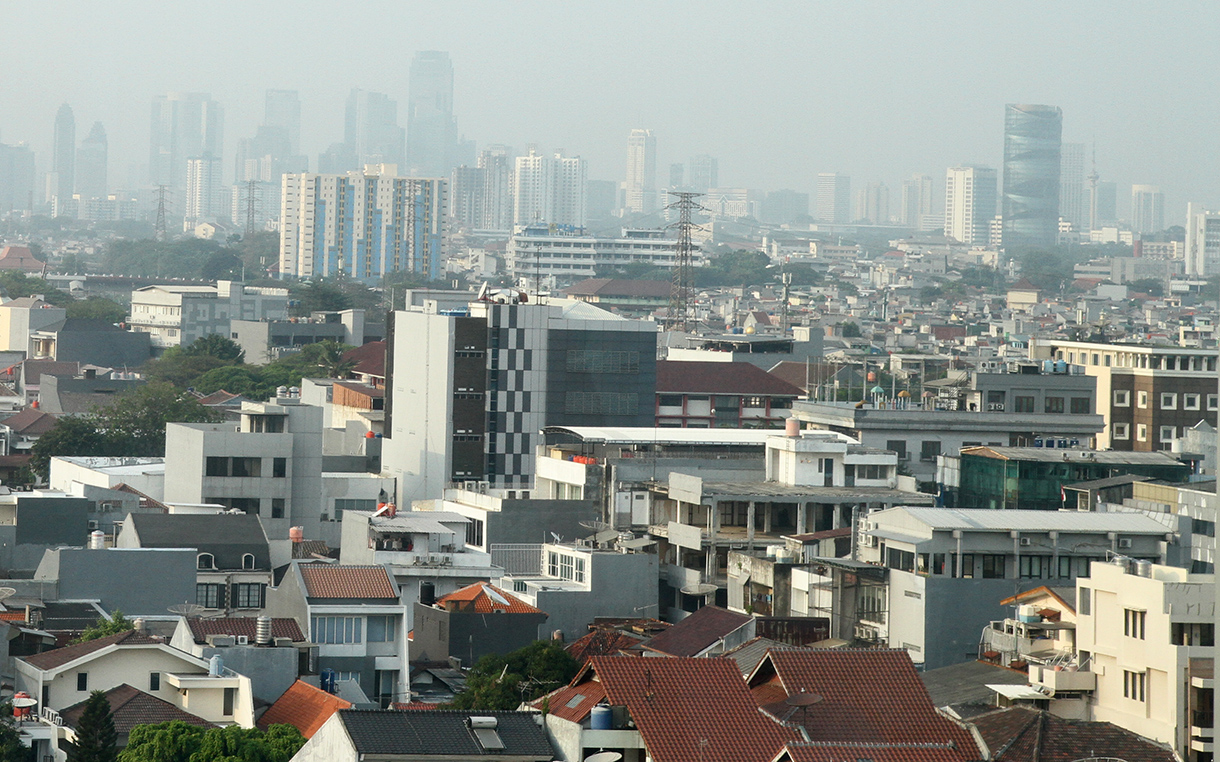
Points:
[(1201, 719)]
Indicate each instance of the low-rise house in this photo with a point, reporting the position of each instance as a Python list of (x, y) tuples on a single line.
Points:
[(470, 623), (710, 631), (91, 342), (1022, 734), (271, 652), (139, 582), (303, 706), (19, 432), (692, 394), (1041, 630), (131, 707)]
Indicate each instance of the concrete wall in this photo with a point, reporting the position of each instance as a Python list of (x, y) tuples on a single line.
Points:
[(620, 585), (140, 582), (329, 744), (440, 634), (271, 670)]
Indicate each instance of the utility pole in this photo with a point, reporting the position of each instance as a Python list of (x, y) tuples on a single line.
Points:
[(681, 314), (162, 193)]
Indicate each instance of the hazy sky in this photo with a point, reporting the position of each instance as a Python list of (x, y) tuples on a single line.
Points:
[(778, 91)]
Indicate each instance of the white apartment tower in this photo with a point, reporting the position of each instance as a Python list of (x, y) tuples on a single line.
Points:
[(204, 193), (833, 202), (641, 183), (970, 196), (1147, 209), (916, 200), (1202, 242), (549, 190)]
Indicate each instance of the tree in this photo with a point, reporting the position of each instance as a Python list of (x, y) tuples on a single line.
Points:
[(98, 308), (71, 435), (316, 296), (504, 681), (327, 359), (11, 748), (850, 330), (215, 345), (136, 421), (104, 627), (179, 742), (96, 737)]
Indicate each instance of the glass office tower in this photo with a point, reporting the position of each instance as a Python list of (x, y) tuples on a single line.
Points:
[(1030, 209)]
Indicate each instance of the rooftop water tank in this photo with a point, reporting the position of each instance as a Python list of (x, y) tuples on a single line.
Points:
[(601, 718)]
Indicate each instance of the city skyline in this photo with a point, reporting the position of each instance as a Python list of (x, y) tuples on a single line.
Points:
[(845, 126)]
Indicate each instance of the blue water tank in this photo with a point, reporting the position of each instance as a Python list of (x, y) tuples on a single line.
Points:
[(1048, 366), (601, 718), (1061, 366)]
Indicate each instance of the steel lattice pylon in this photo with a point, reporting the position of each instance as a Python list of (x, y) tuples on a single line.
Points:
[(681, 312)]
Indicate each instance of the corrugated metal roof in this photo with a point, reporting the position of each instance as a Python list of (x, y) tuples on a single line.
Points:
[(1029, 521), (646, 435), (1055, 455)]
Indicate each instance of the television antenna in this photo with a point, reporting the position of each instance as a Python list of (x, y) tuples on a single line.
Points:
[(186, 609)]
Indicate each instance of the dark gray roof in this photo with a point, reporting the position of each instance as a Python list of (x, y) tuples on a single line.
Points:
[(71, 616), (1113, 481), (966, 683), (227, 536), (749, 654), (443, 733)]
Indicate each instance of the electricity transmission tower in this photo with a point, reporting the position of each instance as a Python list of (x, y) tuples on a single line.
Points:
[(251, 205), (681, 314), (162, 195)]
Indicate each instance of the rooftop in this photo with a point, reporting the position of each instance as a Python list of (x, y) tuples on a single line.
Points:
[(1017, 734), (697, 632), (687, 376), (445, 733), (131, 707), (281, 627), (1049, 455), (631, 435), (485, 598), (984, 520), (324, 580), (49, 660), (304, 707)]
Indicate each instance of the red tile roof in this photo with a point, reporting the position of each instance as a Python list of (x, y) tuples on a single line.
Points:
[(695, 377), (304, 707), (370, 359), (281, 627), (894, 709), (12, 616), (573, 702), (60, 656), (30, 421), (690, 709), (335, 581), (132, 706), (612, 287), (803, 752), (1018, 734), (485, 598), (602, 642), (20, 258), (697, 632)]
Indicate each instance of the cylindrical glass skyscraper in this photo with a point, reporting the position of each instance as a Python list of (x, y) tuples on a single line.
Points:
[(1030, 207)]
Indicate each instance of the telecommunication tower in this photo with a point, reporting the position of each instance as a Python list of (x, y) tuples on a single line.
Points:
[(681, 314)]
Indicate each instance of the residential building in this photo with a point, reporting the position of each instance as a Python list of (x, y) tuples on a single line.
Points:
[(19, 432), (916, 201), (86, 342), (496, 164), (306, 707), (470, 623), (92, 160), (505, 521), (1147, 209), (537, 255), (178, 315), (1024, 734), (833, 202), (271, 652), (764, 350), (970, 201), (1041, 630), (1032, 156), (183, 125), (62, 184), (431, 130), (1202, 242), (362, 224), (510, 370), (1072, 206), (351, 735), (138, 582), (355, 617), (268, 338), (19, 318), (550, 190), (705, 173), (723, 395), (1147, 395), (205, 196), (130, 708), (641, 181), (873, 204), (632, 298)]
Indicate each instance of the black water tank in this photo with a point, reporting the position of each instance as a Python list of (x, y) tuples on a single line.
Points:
[(427, 593)]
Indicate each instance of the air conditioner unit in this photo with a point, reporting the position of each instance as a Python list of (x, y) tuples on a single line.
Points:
[(243, 640), (1124, 542), (1026, 542)]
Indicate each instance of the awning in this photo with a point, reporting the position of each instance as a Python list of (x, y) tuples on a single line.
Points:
[(638, 543), (1018, 692)]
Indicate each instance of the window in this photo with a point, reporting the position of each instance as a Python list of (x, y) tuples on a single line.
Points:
[(1213, 401), (1193, 634), (1133, 685), (342, 504), (207, 594), (474, 532), (1141, 399), (600, 403), (205, 561), (899, 446), (1085, 602), (277, 507), (249, 595), (1133, 623), (929, 449), (1122, 398), (247, 467), (1169, 401), (154, 681), (1122, 430), (602, 361), (337, 629), (216, 466), (1053, 405), (566, 567), (1023, 404), (229, 700), (1033, 567), (902, 560), (669, 400), (82, 681), (1190, 402), (1065, 567), (247, 561), (1168, 433), (1141, 432), (279, 468), (1081, 405), (993, 567), (381, 629)]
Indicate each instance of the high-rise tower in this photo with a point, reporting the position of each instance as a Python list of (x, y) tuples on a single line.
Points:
[(431, 130), (1072, 206), (969, 204), (283, 110), (91, 164), (371, 129), (1032, 152), (63, 154), (1147, 209), (833, 203), (641, 183), (184, 126)]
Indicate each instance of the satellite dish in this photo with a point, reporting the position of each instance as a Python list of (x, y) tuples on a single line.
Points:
[(556, 538), (186, 609), (703, 589), (7, 592), (604, 756), (596, 525), (23, 703), (803, 699)]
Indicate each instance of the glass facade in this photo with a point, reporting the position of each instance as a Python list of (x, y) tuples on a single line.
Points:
[(1032, 145), (997, 483)]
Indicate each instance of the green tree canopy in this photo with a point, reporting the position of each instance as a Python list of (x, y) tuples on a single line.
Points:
[(215, 345), (179, 742), (504, 681), (97, 308), (104, 627), (96, 737)]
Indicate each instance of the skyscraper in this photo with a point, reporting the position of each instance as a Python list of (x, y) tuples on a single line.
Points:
[(1202, 242), (204, 192), (783, 206), (704, 173), (16, 177), (833, 203), (1072, 205), (91, 164), (969, 204), (1032, 136), (873, 204), (63, 154), (916, 199), (1147, 209), (184, 125), (641, 172), (431, 130), (283, 109), (549, 190), (496, 163), (371, 129), (1104, 201), (677, 175)]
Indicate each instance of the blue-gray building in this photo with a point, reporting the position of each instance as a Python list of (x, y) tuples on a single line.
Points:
[(1030, 207)]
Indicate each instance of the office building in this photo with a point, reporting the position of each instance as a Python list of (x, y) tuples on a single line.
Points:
[(178, 315), (91, 164), (205, 196), (16, 178), (1072, 205), (873, 204), (1147, 209), (916, 200), (63, 154), (677, 176), (184, 125), (833, 203), (784, 206), (371, 129), (1032, 136), (362, 224), (466, 196), (641, 183), (469, 390), (496, 163), (562, 258), (282, 110), (431, 130), (970, 204), (704, 173), (549, 190), (1103, 203), (1202, 242)]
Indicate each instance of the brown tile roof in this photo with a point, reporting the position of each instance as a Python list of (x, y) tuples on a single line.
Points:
[(612, 287), (61, 656), (1018, 734), (30, 421), (131, 707), (803, 752), (485, 598), (281, 627), (697, 632), (692, 376), (370, 358), (20, 258), (220, 397), (602, 642), (689, 709), (855, 709), (304, 707), (573, 702), (335, 581), (146, 501), (798, 373)]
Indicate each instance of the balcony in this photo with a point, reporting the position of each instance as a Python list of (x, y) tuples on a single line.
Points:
[(1202, 725), (1058, 680), (450, 558)]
